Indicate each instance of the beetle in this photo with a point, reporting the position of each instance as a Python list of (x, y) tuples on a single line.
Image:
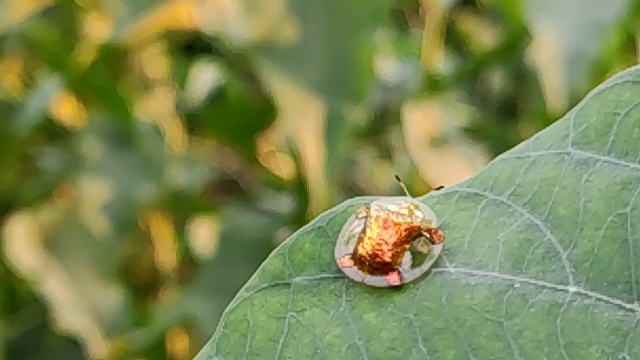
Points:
[(392, 241)]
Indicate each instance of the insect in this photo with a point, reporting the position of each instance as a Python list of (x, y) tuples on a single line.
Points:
[(390, 242)]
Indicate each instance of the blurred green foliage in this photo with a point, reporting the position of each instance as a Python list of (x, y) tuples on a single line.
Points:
[(154, 152)]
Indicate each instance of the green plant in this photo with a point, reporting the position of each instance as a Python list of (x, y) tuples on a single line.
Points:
[(541, 261)]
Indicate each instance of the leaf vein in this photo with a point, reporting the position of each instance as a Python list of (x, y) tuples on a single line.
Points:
[(632, 308), (524, 212)]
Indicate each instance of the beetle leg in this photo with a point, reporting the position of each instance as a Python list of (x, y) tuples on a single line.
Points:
[(434, 235), (421, 244), (394, 278), (345, 261)]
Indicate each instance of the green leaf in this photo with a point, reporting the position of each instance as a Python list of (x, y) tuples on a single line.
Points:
[(99, 84), (34, 108), (235, 111), (235, 115), (337, 70), (332, 57), (127, 13), (540, 261), (568, 48)]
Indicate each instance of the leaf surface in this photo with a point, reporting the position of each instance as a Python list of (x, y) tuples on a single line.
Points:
[(542, 260)]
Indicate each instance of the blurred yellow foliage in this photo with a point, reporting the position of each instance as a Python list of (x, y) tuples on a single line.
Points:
[(13, 12), (67, 111), (163, 237)]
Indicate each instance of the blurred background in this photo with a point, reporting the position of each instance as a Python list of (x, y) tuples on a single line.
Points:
[(154, 152)]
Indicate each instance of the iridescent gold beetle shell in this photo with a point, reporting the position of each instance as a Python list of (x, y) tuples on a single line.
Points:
[(390, 242)]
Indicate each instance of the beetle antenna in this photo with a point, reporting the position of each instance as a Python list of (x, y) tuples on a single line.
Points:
[(404, 187)]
